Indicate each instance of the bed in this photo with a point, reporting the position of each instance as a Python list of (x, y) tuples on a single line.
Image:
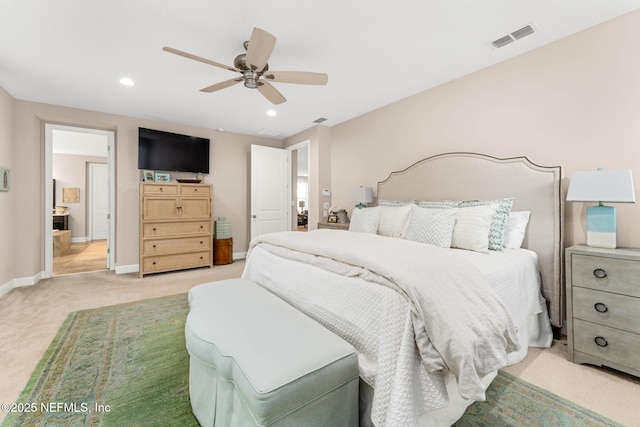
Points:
[(431, 324)]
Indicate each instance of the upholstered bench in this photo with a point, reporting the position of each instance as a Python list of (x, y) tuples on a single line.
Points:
[(257, 361)]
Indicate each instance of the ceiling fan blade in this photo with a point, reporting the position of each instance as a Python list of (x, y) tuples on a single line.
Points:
[(298, 77), (271, 93), (198, 58), (259, 50), (221, 85)]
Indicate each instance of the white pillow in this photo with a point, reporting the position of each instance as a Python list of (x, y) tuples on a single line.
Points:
[(471, 230), (394, 220), (499, 223), (365, 220), (516, 229), (433, 226)]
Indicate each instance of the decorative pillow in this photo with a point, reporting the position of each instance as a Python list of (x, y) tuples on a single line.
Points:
[(395, 202), (442, 204), (499, 221), (394, 220), (516, 229), (365, 220), (431, 226), (472, 227)]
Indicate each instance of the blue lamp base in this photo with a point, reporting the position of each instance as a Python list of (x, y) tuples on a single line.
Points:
[(601, 226)]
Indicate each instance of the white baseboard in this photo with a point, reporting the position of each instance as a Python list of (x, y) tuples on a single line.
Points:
[(83, 239), (124, 269), (20, 282)]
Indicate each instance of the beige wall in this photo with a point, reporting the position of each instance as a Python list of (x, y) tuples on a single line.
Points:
[(7, 207), (574, 103), (229, 176)]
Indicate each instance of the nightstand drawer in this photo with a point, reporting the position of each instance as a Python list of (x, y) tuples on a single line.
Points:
[(614, 345), (609, 309), (607, 274)]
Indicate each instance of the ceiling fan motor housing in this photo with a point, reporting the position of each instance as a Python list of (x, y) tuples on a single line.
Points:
[(250, 76)]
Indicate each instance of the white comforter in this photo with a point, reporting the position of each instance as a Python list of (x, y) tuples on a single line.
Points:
[(434, 313)]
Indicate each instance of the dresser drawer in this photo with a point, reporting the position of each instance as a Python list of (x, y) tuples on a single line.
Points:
[(178, 244), (171, 189), (608, 274), (195, 189), (616, 346), (161, 229), (176, 261), (609, 309)]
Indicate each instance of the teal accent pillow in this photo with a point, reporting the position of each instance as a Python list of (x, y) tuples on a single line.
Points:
[(499, 221)]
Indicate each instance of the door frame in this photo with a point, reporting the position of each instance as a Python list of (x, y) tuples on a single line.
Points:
[(294, 179), (48, 192)]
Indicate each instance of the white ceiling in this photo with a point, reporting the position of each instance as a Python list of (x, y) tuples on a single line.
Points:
[(74, 52)]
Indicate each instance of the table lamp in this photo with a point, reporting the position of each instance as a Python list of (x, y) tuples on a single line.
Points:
[(362, 195), (612, 186)]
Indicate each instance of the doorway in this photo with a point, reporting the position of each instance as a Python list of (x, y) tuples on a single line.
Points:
[(300, 175), (80, 162)]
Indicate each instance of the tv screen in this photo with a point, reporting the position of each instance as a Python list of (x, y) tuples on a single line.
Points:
[(166, 151)]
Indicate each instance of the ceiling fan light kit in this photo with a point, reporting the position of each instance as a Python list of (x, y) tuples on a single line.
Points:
[(253, 67)]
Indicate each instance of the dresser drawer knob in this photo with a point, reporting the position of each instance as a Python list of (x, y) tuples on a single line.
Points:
[(600, 273), (600, 307), (601, 342)]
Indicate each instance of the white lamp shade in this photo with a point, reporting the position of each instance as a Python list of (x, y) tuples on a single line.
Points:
[(362, 195), (613, 186)]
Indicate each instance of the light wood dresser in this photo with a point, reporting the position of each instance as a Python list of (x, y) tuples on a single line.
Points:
[(176, 227), (603, 307)]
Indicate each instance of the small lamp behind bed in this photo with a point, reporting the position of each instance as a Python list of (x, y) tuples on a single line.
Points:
[(362, 195), (613, 186)]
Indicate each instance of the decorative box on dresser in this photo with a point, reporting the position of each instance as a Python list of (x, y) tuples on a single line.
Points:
[(603, 307), (176, 227)]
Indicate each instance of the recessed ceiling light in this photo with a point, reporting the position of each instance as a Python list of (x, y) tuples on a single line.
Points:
[(220, 130), (271, 113), (126, 81)]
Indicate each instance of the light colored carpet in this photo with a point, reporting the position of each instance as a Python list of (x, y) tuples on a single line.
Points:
[(30, 318)]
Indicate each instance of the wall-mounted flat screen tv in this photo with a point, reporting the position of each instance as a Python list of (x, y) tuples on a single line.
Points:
[(166, 151)]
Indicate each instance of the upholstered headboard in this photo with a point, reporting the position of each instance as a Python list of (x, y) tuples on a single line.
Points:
[(468, 176)]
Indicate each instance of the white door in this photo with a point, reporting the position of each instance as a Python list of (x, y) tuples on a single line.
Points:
[(270, 190), (99, 201)]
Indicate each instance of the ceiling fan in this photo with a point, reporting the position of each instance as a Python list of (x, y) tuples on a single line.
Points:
[(254, 69)]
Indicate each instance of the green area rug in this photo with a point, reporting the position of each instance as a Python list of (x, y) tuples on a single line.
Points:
[(126, 365)]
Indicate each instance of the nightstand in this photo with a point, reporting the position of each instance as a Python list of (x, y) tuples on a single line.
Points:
[(603, 307), (334, 225)]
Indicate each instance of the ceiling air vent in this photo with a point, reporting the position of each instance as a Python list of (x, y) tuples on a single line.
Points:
[(516, 35), (502, 41), (320, 120), (523, 32)]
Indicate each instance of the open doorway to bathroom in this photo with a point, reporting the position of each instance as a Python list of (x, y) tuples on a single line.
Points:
[(301, 201), (79, 167)]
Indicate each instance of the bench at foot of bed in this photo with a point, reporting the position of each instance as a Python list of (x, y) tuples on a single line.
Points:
[(257, 361)]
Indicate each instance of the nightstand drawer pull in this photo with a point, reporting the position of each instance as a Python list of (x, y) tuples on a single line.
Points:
[(600, 273), (601, 342), (600, 307)]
